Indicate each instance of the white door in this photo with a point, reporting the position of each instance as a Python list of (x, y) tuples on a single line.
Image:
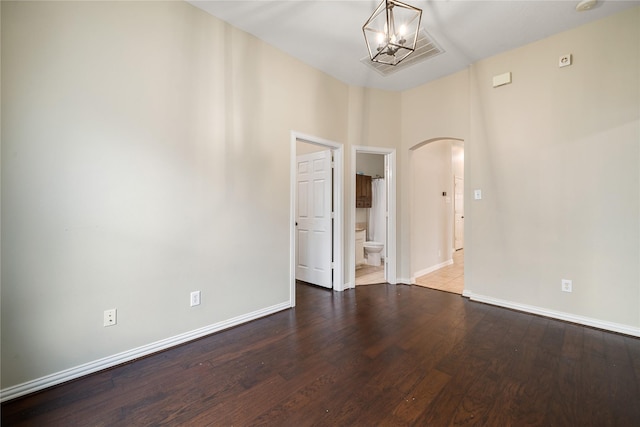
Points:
[(458, 206), (313, 218)]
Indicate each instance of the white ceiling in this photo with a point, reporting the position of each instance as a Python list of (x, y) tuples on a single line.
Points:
[(328, 34)]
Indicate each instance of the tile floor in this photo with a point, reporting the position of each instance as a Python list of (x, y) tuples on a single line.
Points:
[(369, 275), (449, 278)]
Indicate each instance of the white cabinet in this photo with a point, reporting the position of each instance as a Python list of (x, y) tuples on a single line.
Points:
[(360, 238)]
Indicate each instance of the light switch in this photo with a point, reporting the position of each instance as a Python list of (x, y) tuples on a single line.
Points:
[(477, 194)]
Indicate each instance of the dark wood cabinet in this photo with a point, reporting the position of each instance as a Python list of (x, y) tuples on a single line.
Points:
[(363, 191)]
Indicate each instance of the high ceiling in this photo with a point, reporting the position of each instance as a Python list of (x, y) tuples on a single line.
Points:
[(328, 34)]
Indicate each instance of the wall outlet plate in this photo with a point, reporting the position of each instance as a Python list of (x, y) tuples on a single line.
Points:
[(565, 60), (195, 298), (110, 317), (567, 285)]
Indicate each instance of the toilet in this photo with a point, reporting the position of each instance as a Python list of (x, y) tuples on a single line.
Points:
[(373, 251)]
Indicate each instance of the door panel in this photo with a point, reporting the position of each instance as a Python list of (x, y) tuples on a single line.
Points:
[(313, 217), (303, 203), (303, 260)]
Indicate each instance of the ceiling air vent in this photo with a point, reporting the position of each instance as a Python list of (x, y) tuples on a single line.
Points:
[(426, 48)]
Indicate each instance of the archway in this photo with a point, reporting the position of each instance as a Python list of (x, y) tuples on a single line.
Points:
[(436, 165)]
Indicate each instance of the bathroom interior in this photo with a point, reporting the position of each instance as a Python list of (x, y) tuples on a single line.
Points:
[(371, 225)]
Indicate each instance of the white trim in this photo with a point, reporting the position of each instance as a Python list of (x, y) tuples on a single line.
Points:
[(391, 260), (430, 270), (573, 318), (129, 355), (338, 229), (403, 281)]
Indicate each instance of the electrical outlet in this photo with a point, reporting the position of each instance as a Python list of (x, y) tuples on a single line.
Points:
[(567, 285), (195, 298), (110, 317)]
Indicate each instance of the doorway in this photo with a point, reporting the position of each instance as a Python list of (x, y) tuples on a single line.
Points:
[(314, 208), (333, 251), (382, 179), (437, 214)]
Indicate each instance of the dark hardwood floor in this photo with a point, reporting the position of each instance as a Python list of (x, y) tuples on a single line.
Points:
[(380, 355)]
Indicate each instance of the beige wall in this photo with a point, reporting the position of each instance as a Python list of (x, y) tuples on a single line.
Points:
[(374, 118), (556, 154), (431, 212), (370, 164), (145, 146), (437, 110)]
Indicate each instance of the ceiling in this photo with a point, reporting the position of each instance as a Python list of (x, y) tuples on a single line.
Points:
[(328, 34)]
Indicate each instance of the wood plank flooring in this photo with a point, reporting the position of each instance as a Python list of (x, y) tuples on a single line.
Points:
[(380, 355)]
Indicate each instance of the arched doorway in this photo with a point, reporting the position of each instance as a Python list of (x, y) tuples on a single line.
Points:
[(437, 214)]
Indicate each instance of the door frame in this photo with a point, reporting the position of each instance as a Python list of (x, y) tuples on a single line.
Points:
[(411, 183), (338, 211), (390, 177)]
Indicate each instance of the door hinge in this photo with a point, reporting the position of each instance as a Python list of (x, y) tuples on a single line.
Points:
[(333, 215), (333, 265), (333, 164)]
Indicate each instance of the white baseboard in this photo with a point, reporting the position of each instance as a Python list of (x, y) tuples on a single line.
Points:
[(581, 320), (403, 281), (429, 270), (129, 355)]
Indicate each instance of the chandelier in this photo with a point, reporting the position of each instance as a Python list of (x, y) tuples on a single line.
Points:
[(391, 32)]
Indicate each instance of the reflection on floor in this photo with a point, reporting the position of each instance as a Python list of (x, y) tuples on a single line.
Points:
[(369, 275), (449, 278)]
